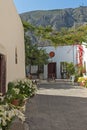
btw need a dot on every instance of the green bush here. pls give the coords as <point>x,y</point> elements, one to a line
<point>21,90</point>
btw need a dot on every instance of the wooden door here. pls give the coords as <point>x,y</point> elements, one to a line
<point>52,70</point>
<point>2,74</point>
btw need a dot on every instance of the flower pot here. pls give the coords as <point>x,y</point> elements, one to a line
<point>82,83</point>
<point>15,102</point>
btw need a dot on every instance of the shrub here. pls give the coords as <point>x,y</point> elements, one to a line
<point>83,81</point>
<point>20,90</point>
<point>27,87</point>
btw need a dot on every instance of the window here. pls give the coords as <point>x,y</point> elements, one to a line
<point>16,56</point>
<point>40,68</point>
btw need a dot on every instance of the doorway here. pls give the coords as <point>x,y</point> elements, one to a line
<point>52,70</point>
<point>2,74</point>
<point>63,70</point>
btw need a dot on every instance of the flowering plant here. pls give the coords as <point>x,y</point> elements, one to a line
<point>80,79</point>
<point>20,90</point>
<point>14,94</point>
<point>83,81</point>
<point>26,86</point>
<point>7,114</point>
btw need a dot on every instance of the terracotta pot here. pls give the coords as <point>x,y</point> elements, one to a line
<point>15,102</point>
<point>82,83</point>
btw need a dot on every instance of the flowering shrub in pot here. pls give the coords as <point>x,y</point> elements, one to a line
<point>13,95</point>
<point>82,81</point>
<point>27,87</point>
<point>20,90</point>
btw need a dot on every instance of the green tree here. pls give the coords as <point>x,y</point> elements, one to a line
<point>70,68</point>
<point>33,54</point>
<point>66,36</point>
<point>70,36</point>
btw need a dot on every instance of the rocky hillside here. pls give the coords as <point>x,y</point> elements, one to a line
<point>57,18</point>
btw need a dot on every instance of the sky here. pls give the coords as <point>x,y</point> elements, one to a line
<point>32,5</point>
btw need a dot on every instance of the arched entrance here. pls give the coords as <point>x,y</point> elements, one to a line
<point>2,74</point>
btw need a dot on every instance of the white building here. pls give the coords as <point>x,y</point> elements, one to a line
<point>61,54</point>
<point>73,53</point>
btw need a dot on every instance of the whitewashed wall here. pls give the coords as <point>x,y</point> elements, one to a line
<point>62,53</point>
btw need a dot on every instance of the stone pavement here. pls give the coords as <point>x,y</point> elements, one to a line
<point>18,125</point>
<point>58,106</point>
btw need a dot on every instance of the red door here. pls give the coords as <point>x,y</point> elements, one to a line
<point>52,70</point>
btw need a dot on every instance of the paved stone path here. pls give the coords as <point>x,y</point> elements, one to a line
<point>58,106</point>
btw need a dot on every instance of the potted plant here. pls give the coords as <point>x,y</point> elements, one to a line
<point>17,93</point>
<point>82,81</point>
<point>27,87</point>
<point>14,97</point>
<point>70,69</point>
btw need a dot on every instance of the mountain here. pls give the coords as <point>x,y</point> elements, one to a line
<point>58,18</point>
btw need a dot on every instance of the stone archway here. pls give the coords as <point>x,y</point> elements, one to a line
<point>2,74</point>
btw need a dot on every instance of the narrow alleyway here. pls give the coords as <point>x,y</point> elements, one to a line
<point>58,106</point>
